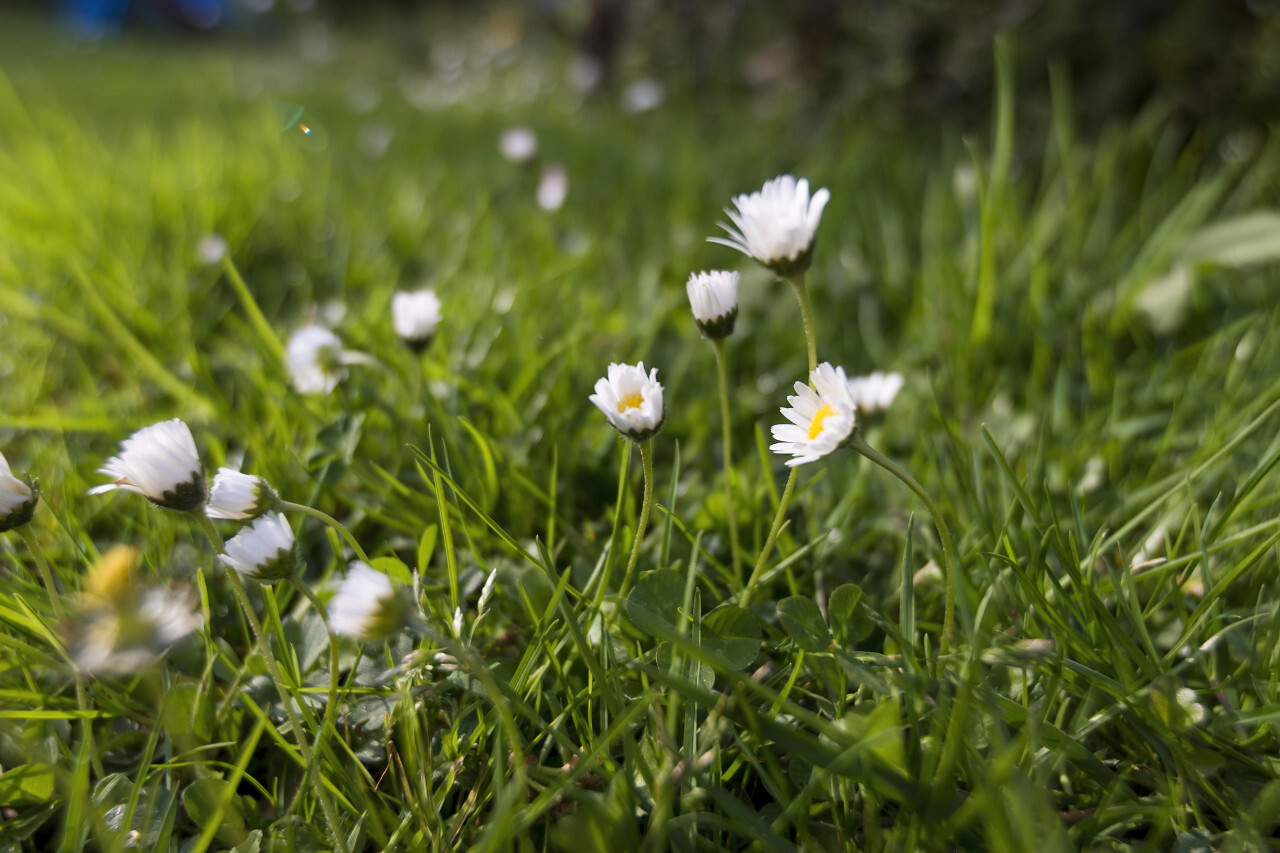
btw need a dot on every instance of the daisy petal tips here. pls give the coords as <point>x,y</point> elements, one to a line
<point>18,498</point>
<point>822,417</point>
<point>875,391</point>
<point>159,462</point>
<point>631,400</point>
<point>777,225</point>
<point>713,296</point>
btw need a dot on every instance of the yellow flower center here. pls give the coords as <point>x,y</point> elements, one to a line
<point>815,425</point>
<point>631,401</point>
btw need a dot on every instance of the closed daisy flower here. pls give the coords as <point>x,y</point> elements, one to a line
<point>18,498</point>
<point>263,550</point>
<point>316,360</point>
<point>160,463</point>
<point>713,296</point>
<point>875,391</point>
<point>822,417</point>
<point>367,606</point>
<point>777,225</point>
<point>631,400</point>
<point>240,496</point>
<point>416,315</point>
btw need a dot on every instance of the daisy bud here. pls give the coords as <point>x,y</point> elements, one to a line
<point>416,316</point>
<point>18,498</point>
<point>631,400</point>
<point>822,417</point>
<point>367,606</point>
<point>160,463</point>
<point>240,496</point>
<point>875,391</point>
<point>263,551</point>
<point>713,296</point>
<point>777,225</point>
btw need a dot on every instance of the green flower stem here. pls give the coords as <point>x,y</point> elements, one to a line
<point>727,437</point>
<point>51,585</point>
<point>329,709</point>
<point>646,458</point>
<point>806,313</point>
<point>329,520</point>
<point>774,530</point>
<point>286,699</point>
<point>949,562</point>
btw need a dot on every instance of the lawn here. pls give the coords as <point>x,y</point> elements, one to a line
<point>1085,322</point>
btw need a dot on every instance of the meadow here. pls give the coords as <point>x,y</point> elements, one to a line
<point>1085,323</point>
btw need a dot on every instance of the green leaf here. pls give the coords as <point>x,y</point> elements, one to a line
<point>393,568</point>
<point>26,785</point>
<point>802,620</point>
<point>200,799</point>
<point>654,604</point>
<point>732,634</point>
<point>850,620</point>
<point>427,547</point>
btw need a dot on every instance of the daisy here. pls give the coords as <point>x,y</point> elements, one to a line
<point>713,296</point>
<point>367,606</point>
<point>240,496</point>
<point>263,550</point>
<point>18,498</point>
<point>875,391</point>
<point>822,417</point>
<point>518,144</point>
<point>776,226</point>
<point>416,316</point>
<point>316,360</point>
<point>631,400</point>
<point>160,463</point>
<point>128,637</point>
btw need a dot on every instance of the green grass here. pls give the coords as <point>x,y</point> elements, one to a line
<point>1063,413</point>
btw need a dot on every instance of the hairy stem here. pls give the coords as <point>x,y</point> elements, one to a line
<point>806,313</point>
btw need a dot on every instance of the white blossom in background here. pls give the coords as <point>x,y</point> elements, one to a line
<point>631,400</point>
<point>875,391</point>
<point>822,417</point>
<point>159,462</point>
<point>777,225</point>
<point>240,496</point>
<point>211,249</point>
<point>518,144</point>
<point>713,296</point>
<point>18,498</point>
<point>553,188</point>
<point>643,95</point>
<point>367,605</point>
<point>316,360</point>
<point>416,314</point>
<point>263,550</point>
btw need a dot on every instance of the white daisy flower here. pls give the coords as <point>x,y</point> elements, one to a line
<point>240,496</point>
<point>631,400</point>
<point>518,144</point>
<point>18,498</point>
<point>875,391</point>
<point>128,636</point>
<point>263,550</point>
<point>776,226</point>
<point>159,462</point>
<point>822,417</point>
<point>553,187</point>
<point>713,296</point>
<point>416,315</point>
<point>367,605</point>
<point>316,360</point>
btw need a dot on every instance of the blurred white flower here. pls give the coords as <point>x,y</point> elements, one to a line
<point>777,225</point>
<point>553,187</point>
<point>240,496</point>
<point>631,400</point>
<point>875,391</point>
<point>416,315</point>
<point>159,462</point>
<point>367,606</point>
<point>713,296</point>
<point>211,249</point>
<point>518,144</point>
<point>18,498</point>
<point>316,360</point>
<point>263,550</point>
<point>643,95</point>
<point>822,417</point>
